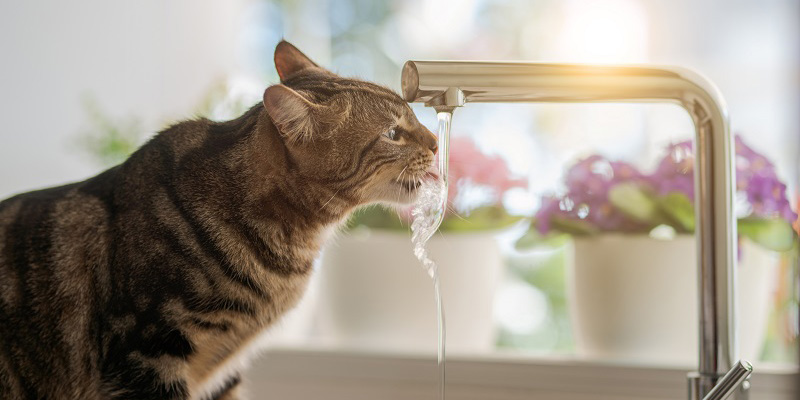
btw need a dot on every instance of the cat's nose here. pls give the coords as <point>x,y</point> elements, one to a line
<point>431,141</point>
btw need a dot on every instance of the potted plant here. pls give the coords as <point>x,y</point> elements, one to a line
<point>373,291</point>
<point>632,280</point>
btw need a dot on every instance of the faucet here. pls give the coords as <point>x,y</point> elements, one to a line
<point>445,85</point>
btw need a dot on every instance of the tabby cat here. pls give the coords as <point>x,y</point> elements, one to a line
<point>153,279</point>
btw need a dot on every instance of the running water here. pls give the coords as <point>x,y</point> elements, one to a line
<point>428,214</point>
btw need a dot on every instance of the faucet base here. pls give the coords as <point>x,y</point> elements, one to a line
<point>700,384</point>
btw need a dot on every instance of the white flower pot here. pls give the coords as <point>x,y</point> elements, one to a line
<point>375,295</point>
<point>634,298</point>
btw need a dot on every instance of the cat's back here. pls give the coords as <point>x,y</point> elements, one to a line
<point>35,218</point>
<point>53,253</point>
<point>58,280</point>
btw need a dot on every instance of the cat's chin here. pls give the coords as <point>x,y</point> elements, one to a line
<point>409,191</point>
<point>401,193</point>
<point>402,201</point>
<point>395,199</point>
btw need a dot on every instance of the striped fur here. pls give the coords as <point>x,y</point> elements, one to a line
<point>153,279</point>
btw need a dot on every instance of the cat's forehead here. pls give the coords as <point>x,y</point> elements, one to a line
<point>361,95</point>
<point>325,85</point>
<point>381,99</point>
<point>406,121</point>
<point>375,93</point>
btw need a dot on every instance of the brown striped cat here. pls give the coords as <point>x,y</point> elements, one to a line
<point>153,279</point>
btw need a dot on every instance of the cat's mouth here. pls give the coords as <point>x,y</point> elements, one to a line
<point>432,174</point>
<point>411,185</point>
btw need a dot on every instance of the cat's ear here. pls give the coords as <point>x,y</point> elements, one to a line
<point>289,60</point>
<point>291,113</point>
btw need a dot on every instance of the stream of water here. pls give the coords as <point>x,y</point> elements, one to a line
<point>428,213</point>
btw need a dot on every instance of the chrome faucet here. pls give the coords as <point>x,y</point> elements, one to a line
<point>445,85</point>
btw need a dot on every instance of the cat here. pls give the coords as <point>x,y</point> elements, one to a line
<point>153,279</point>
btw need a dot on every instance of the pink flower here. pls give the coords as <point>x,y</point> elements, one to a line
<point>467,162</point>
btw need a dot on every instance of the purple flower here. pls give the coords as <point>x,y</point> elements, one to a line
<point>588,183</point>
<point>767,197</point>
<point>755,178</point>
<point>590,180</point>
<point>675,172</point>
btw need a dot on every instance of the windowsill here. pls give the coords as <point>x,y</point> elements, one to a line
<point>337,374</point>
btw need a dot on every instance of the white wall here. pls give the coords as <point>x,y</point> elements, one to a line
<point>148,58</point>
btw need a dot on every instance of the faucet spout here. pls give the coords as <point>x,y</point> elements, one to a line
<point>445,99</point>
<point>448,84</point>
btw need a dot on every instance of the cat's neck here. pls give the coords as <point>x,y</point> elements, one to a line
<point>286,207</point>
<point>237,179</point>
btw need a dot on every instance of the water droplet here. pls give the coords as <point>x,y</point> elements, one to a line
<point>583,211</point>
<point>603,168</point>
<point>680,153</point>
<point>742,162</point>
<point>566,204</point>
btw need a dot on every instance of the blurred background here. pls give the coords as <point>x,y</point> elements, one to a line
<point>85,82</point>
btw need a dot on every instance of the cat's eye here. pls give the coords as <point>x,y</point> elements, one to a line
<point>392,134</point>
<point>395,134</point>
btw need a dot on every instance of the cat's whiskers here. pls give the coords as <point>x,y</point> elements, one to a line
<point>400,217</point>
<point>453,210</point>
<point>329,200</point>
<point>399,177</point>
<point>401,173</point>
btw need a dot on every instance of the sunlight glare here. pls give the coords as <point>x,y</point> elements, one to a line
<point>603,31</point>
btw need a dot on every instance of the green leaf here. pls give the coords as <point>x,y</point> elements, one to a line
<point>377,217</point>
<point>633,200</point>
<point>479,219</point>
<point>679,209</point>
<point>573,226</point>
<point>532,239</point>
<point>109,141</point>
<point>774,234</point>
